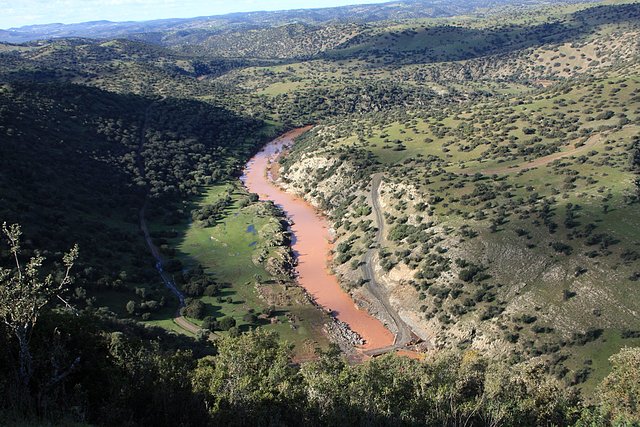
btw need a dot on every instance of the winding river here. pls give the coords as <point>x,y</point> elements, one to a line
<point>311,244</point>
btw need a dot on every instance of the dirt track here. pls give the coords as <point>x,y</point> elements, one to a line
<point>166,278</point>
<point>404,335</point>
<point>543,161</point>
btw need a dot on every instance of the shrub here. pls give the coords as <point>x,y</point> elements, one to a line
<point>226,323</point>
<point>211,290</point>
<point>209,323</point>
<point>560,247</point>
<point>250,318</point>
<point>195,309</point>
<point>619,392</point>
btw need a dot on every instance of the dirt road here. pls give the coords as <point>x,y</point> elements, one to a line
<point>542,161</point>
<point>166,278</point>
<point>404,335</point>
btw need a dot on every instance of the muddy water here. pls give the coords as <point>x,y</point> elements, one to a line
<point>312,246</point>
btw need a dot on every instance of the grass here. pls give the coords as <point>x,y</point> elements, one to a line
<point>164,319</point>
<point>598,353</point>
<point>280,88</point>
<point>226,251</point>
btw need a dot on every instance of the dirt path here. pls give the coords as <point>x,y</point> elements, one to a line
<point>542,161</point>
<point>166,278</point>
<point>404,335</point>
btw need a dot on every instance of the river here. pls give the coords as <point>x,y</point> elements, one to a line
<point>311,244</point>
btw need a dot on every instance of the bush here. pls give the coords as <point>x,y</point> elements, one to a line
<point>226,323</point>
<point>195,309</point>
<point>628,333</point>
<point>402,231</point>
<point>619,392</point>
<point>588,336</point>
<point>211,290</point>
<point>560,247</point>
<point>490,312</point>
<point>472,272</point>
<point>209,323</point>
<point>173,265</point>
<point>250,318</point>
<point>131,307</point>
<point>343,257</point>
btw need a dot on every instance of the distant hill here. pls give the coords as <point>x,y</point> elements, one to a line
<point>409,9</point>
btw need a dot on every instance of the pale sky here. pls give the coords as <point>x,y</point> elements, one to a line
<point>16,13</point>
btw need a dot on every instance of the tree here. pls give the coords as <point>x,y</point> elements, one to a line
<point>202,335</point>
<point>195,309</point>
<point>209,322</point>
<point>24,292</point>
<point>619,392</point>
<point>226,323</point>
<point>131,307</point>
<point>326,381</point>
<point>525,395</point>
<point>212,290</point>
<point>250,379</point>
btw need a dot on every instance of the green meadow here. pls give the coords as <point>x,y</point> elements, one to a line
<point>226,251</point>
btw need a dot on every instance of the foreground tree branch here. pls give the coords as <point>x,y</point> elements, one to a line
<point>24,292</point>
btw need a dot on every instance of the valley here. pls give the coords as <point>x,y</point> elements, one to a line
<point>405,213</point>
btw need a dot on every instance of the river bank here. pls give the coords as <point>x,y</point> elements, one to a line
<point>312,247</point>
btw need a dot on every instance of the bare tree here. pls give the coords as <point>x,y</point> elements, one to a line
<point>24,292</point>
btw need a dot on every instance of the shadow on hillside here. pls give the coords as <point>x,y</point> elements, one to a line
<point>74,170</point>
<point>449,43</point>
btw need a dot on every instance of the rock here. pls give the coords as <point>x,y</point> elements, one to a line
<point>343,333</point>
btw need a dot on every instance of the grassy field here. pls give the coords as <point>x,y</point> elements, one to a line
<point>595,357</point>
<point>226,251</point>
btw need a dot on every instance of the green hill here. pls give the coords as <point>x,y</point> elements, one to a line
<point>78,164</point>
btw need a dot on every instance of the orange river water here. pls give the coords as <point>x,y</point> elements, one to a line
<point>311,244</point>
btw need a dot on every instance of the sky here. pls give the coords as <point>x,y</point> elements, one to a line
<point>17,13</point>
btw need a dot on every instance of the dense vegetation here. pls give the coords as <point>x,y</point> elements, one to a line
<point>78,164</point>
<point>129,376</point>
<point>90,369</point>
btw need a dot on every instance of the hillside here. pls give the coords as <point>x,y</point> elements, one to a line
<point>85,160</point>
<point>516,232</point>
<point>492,246</point>
<point>176,29</point>
<point>459,134</point>
<point>154,136</point>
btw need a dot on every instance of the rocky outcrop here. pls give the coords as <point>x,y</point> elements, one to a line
<point>340,333</point>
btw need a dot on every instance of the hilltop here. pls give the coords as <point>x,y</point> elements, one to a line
<point>179,32</point>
